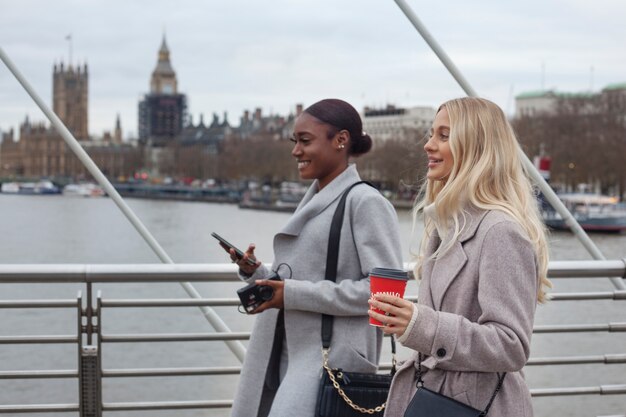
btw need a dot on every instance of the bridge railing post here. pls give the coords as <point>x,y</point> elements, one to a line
<point>89,359</point>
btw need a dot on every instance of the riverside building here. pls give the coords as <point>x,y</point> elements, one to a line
<point>547,102</point>
<point>399,123</point>
<point>42,152</point>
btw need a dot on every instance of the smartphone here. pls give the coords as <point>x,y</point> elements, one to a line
<point>228,246</point>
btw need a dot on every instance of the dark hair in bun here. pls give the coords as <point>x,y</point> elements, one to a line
<point>340,115</point>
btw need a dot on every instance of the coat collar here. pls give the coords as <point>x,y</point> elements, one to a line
<point>314,201</point>
<point>474,216</point>
<point>448,265</point>
<point>471,217</point>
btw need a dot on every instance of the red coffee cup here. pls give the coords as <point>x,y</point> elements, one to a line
<point>386,281</point>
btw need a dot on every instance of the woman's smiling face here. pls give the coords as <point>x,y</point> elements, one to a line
<point>440,160</point>
<point>318,156</point>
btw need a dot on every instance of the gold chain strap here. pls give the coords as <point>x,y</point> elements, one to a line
<point>341,392</point>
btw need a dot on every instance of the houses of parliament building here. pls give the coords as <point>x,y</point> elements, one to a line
<point>42,152</point>
<point>169,142</point>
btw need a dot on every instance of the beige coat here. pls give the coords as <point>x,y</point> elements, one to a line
<point>475,317</point>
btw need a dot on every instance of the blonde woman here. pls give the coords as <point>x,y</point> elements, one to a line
<point>482,268</point>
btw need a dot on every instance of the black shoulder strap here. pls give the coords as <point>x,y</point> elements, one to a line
<point>332,258</point>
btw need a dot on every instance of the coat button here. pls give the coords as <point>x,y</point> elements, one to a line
<point>441,352</point>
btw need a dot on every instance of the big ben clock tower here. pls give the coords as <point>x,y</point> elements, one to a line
<point>163,77</point>
<point>162,111</point>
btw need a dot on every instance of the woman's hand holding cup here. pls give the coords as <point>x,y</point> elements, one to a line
<point>396,313</point>
<point>387,287</point>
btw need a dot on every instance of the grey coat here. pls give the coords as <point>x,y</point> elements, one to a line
<point>476,307</point>
<point>369,238</point>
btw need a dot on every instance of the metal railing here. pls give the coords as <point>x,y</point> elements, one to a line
<point>91,340</point>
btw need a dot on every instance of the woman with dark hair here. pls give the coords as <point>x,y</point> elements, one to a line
<point>282,369</point>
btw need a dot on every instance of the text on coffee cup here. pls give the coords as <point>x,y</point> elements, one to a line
<point>394,294</point>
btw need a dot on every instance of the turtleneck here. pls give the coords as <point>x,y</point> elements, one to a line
<point>430,212</point>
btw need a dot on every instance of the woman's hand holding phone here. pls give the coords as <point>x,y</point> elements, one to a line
<point>248,262</point>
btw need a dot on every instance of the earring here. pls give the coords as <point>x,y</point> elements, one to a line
<point>342,146</point>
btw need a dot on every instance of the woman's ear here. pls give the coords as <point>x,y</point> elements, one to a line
<point>342,139</point>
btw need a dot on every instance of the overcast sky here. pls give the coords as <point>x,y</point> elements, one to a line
<point>234,55</point>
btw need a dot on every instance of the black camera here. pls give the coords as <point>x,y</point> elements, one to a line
<point>253,295</point>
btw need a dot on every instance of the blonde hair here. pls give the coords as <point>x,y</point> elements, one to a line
<point>488,174</point>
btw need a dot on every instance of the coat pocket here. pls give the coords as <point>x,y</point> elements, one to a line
<point>355,344</point>
<point>358,361</point>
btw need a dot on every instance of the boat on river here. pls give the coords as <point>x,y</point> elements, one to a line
<point>285,199</point>
<point>594,212</point>
<point>30,188</point>
<point>86,189</point>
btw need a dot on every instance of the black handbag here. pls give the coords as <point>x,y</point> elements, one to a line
<point>427,403</point>
<point>342,393</point>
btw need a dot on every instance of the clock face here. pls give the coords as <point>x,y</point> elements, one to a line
<point>168,88</point>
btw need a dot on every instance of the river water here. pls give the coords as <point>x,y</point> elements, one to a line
<point>58,229</point>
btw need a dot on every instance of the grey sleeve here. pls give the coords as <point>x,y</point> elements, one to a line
<point>376,237</point>
<point>262,272</point>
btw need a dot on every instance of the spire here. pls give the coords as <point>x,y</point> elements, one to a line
<point>163,65</point>
<point>117,134</point>
<point>163,77</point>
<point>164,52</point>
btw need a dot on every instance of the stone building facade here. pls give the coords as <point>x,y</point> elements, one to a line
<point>399,123</point>
<point>42,152</point>
<point>70,98</point>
